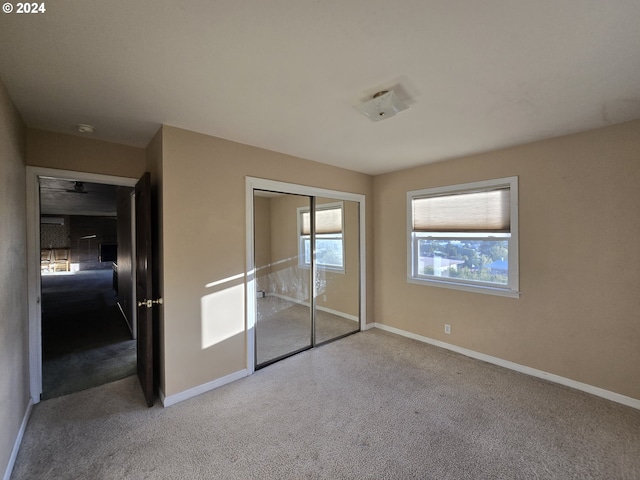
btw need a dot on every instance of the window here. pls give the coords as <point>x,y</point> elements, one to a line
<point>329,241</point>
<point>465,237</point>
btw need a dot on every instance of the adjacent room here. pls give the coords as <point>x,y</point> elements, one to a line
<point>343,239</point>
<point>87,338</point>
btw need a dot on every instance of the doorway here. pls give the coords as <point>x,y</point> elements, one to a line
<point>88,337</point>
<point>307,250</point>
<point>76,277</point>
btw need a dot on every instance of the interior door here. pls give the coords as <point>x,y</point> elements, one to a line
<point>144,287</point>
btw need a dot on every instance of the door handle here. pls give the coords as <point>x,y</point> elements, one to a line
<point>150,303</point>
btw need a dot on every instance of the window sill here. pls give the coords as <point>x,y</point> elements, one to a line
<point>502,292</point>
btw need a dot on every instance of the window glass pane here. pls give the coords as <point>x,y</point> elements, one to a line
<point>482,260</point>
<point>306,245</point>
<point>329,251</point>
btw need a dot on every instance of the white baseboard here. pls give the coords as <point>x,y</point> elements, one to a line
<point>348,316</point>
<point>567,382</point>
<point>16,444</point>
<point>200,389</point>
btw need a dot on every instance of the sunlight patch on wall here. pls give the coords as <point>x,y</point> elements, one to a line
<point>222,315</point>
<point>224,280</point>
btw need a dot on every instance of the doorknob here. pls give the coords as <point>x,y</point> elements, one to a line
<point>150,303</point>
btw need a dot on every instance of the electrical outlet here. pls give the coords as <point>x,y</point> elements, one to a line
<point>447,328</point>
<point>324,298</point>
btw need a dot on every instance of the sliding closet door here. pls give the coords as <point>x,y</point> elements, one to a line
<point>283,277</point>
<point>337,272</point>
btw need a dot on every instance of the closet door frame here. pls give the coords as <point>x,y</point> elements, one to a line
<point>253,183</point>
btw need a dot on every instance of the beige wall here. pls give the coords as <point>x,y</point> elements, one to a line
<point>577,316</point>
<point>579,312</point>
<point>14,355</point>
<point>286,278</point>
<point>262,234</point>
<point>79,154</point>
<point>342,290</point>
<point>204,243</point>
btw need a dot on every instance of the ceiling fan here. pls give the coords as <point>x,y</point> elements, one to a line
<point>78,187</point>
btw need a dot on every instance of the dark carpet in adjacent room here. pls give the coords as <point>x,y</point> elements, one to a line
<point>85,339</point>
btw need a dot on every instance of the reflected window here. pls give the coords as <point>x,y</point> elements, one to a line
<point>329,226</point>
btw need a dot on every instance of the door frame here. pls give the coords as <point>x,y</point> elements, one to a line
<point>34,293</point>
<point>253,183</point>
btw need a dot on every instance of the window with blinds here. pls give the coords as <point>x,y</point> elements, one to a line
<point>329,239</point>
<point>328,220</point>
<point>486,211</point>
<point>465,236</point>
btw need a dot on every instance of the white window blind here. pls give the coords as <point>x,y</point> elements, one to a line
<point>482,211</point>
<point>327,221</point>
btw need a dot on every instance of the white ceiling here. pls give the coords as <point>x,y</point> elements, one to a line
<point>285,74</point>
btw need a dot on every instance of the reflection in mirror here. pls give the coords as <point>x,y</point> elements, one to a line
<point>283,320</point>
<point>337,280</point>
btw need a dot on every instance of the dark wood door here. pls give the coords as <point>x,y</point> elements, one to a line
<point>144,287</point>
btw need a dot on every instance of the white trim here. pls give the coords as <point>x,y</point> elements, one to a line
<point>33,258</point>
<point>252,183</point>
<point>337,313</point>
<point>33,285</point>
<point>200,389</point>
<point>503,292</point>
<point>512,289</point>
<point>16,444</point>
<point>284,187</point>
<point>363,264</point>
<point>250,290</point>
<point>567,382</point>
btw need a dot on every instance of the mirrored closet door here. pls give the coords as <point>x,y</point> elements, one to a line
<point>307,272</point>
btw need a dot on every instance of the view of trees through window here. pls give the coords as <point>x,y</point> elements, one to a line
<point>470,259</point>
<point>328,250</point>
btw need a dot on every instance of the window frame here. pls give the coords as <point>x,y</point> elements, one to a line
<point>511,289</point>
<point>302,237</point>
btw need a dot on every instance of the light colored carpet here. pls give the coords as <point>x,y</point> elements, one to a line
<point>284,327</point>
<point>372,405</point>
